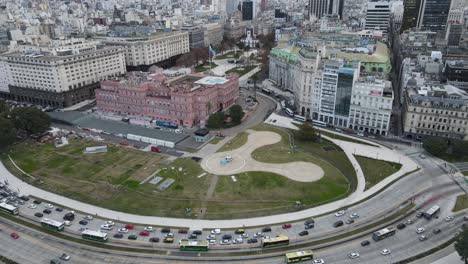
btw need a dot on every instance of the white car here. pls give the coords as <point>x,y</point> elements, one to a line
<point>353,255</point>
<point>353,216</point>
<point>64,257</point>
<point>122,230</point>
<point>49,206</point>
<point>107,227</point>
<point>210,237</point>
<point>385,251</point>
<point>422,238</point>
<point>110,223</point>
<point>448,218</point>
<point>88,217</point>
<point>420,230</point>
<point>212,242</point>
<point>67,223</point>
<point>265,237</point>
<point>225,242</point>
<point>258,234</point>
<point>169,235</point>
<point>340,213</point>
<point>409,222</point>
<point>32,206</point>
<point>149,228</point>
<point>216,231</point>
<point>360,135</point>
<point>319,261</point>
<point>238,241</point>
<point>245,235</point>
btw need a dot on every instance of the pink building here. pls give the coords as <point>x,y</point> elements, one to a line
<point>185,100</point>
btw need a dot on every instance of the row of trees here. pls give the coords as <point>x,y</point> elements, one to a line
<point>446,148</point>
<point>26,120</point>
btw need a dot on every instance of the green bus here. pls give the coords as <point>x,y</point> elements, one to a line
<point>94,235</point>
<point>8,208</point>
<point>194,246</point>
<point>281,240</point>
<point>299,256</point>
<point>52,224</point>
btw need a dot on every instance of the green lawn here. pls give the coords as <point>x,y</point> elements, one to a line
<point>462,203</point>
<point>465,173</point>
<point>376,170</point>
<point>238,141</point>
<point>215,140</point>
<point>229,55</point>
<point>241,70</point>
<point>340,137</point>
<point>205,67</point>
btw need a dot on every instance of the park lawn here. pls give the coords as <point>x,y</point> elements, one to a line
<point>340,137</point>
<point>215,140</point>
<point>465,173</point>
<point>204,67</point>
<point>241,70</point>
<point>229,55</point>
<point>238,141</point>
<point>462,203</point>
<point>376,170</point>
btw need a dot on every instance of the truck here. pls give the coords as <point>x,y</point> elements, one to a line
<point>165,124</point>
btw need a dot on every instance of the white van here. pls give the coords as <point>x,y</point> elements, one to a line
<point>300,118</point>
<point>289,112</point>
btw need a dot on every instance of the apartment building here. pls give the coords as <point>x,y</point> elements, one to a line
<point>378,16</point>
<point>60,76</point>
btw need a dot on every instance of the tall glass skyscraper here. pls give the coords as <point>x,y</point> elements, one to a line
<point>433,15</point>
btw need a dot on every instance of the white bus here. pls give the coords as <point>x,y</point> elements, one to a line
<point>319,123</point>
<point>52,224</point>
<point>94,235</point>
<point>299,118</point>
<point>432,212</point>
<point>299,256</point>
<point>384,233</point>
<point>289,112</point>
<point>8,208</point>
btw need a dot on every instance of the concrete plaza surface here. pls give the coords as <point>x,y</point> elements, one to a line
<point>242,160</point>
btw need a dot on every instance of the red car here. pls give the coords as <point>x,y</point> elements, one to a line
<point>144,233</point>
<point>155,149</point>
<point>14,235</point>
<point>286,226</point>
<point>129,226</point>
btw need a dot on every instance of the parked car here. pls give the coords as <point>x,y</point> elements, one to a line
<point>151,229</point>
<point>304,233</point>
<point>65,257</point>
<point>385,251</point>
<point>239,231</point>
<point>197,232</point>
<point>353,255</point>
<point>182,231</point>
<point>353,216</point>
<point>448,218</point>
<point>37,202</point>
<point>58,209</point>
<point>216,231</point>
<point>286,226</point>
<point>436,231</point>
<point>168,240</point>
<point>227,237</point>
<point>32,206</point>
<point>132,237</point>
<point>420,230</point>
<point>309,226</point>
<point>49,206</point>
<point>422,238</point>
<point>88,217</point>
<point>349,221</point>
<point>122,230</point>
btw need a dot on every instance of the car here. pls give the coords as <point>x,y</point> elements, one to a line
<point>169,235</point>
<point>318,261</point>
<point>266,229</point>
<point>365,243</point>
<point>24,198</point>
<point>225,242</point>
<point>265,237</point>
<point>129,226</point>
<point>338,224</point>
<point>409,222</point>
<point>180,231</point>
<point>238,241</point>
<point>212,242</point>
<point>245,235</point>
<point>436,231</point>
<point>197,232</point>
<point>122,230</point>
<point>385,251</point>
<point>227,236</point>
<point>353,255</point>
<point>309,226</point>
<point>210,236</point>
<point>107,227</point>
<point>401,226</point>
<point>49,206</point>
<point>371,136</point>
<point>340,213</point>
<point>59,209</point>
<point>286,226</point>
<point>67,223</point>
<point>349,221</point>
<point>465,218</point>
<point>132,237</point>
<point>304,233</point>
<point>144,233</point>
<point>422,238</point>
<point>38,215</point>
<point>193,236</point>
<point>83,222</point>
<point>309,221</point>
<point>420,230</point>
<point>70,216</point>
<point>353,216</point>
<point>82,228</point>
<point>360,134</point>
<point>37,202</point>
<point>47,211</point>
<point>448,218</point>
<point>32,206</point>
<point>151,229</point>
<point>88,217</point>
<point>154,239</point>
<point>419,214</point>
<point>65,257</point>
<point>110,223</point>
<point>14,235</point>
<point>258,234</point>
<point>54,261</point>
<point>118,235</point>
<point>239,231</point>
<point>165,230</point>
<point>252,240</point>
<point>216,231</point>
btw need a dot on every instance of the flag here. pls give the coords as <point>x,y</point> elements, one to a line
<point>212,51</point>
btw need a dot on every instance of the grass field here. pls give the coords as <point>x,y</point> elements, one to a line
<point>340,137</point>
<point>205,67</point>
<point>215,140</point>
<point>241,70</point>
<point>229,55</point>
<point>465,173</point>
<point>462,203</point>
<point>376,170</point>
<point>239,140</point>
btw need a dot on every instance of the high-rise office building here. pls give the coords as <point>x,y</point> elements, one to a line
<point>247,10</point>
<point>336,7</point>
<point>231,6</point>
<point>318,8</point>
<point>410,14</point>
<point>378,16</point>
<point>433,15</point>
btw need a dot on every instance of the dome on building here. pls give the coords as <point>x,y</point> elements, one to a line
<point>412,82</point>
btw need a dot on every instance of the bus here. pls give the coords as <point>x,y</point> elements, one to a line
<point>194,246</point>
<point>432,212</point>
<point>8,208</point>
<point>299,118</point>
<point>289,112</point>
<point>266,91</point>
<point>299,256</point>
<point>94,235</point>
<point>52,224</point>
<point>319,123</point>
<point>275,241</point>
<point>384,233</point>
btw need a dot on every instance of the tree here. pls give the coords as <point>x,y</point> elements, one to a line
<point>461,245</point>
<point>216,120</point>
<point>236,113</point>
<point>4,108</point>
<point>459,148</point>
<point>241,45</point>
<point>7,132</point>
<point>435,145</point>
<point>306,132</point>
<point>186,60</point>
<point>254,79</point>
<point>30,119</point>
